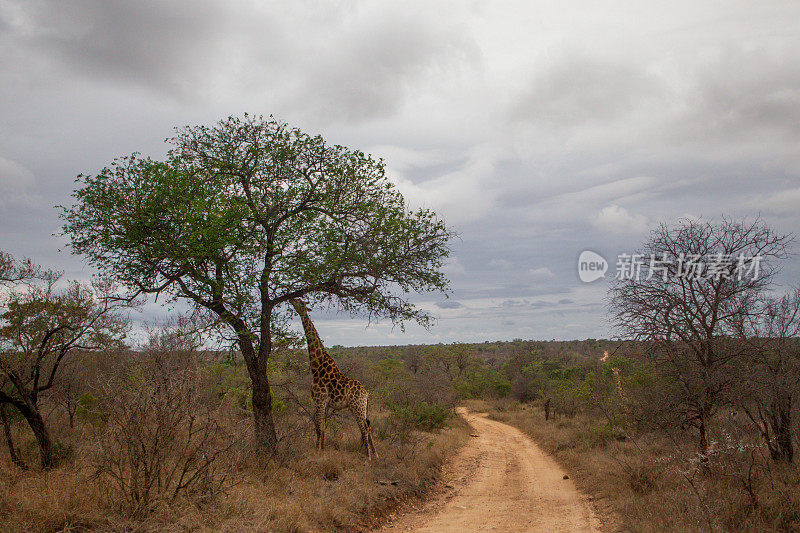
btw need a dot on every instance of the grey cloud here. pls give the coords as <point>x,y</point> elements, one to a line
<point>352,62</point>
<point>14,176</point>
<point>577,88</point>
<point>502,264</point>
<point>613,190</point>
<point>148,43</point>
<point>526,304</point>
<point>743,102</point>
<point>16,184</point>
<point>744,94</point>
<point>448,304</point>
<point>368,71</point>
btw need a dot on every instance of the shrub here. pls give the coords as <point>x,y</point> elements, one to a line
<point>480,382</point>
<point>227,382</point>
<point>158,444</point>
<point>501,387</point>
<point>89,409</point>
<point>641,478</point>
<point>423,415</point>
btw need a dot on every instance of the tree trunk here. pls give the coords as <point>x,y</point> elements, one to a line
<point>37,425</point>
<point>266,440</point>
<point>264,427</point>
<point>701,426</point>
<point>12,451</point>
<point>780,419</point>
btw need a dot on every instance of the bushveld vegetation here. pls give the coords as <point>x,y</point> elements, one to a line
<point>237,220</point>
<point>155,434</point>
<point>159,438</point>
<point>689,423</point>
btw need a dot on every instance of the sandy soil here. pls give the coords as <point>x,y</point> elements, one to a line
<point>501,481</point>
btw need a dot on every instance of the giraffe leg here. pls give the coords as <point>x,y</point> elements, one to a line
<point>370,445</point>
<point>359,410</point>
<point>369,440</point>
<point>364,428</point>
<point>319,424</point>
<point>323,424</point>
<point>358,417</point>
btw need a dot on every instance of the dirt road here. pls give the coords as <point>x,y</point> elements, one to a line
<point>501,481</point>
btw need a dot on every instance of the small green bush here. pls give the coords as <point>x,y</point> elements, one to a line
<point>502,387</point>
<point>480,382</point>
<point>425,416</point>
<point>89,409</point>
<point>278,406</point>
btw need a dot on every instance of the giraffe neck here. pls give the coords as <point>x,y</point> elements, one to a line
<point>316,352</point>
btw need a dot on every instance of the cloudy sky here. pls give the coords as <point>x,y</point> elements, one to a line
<point>536,129</point>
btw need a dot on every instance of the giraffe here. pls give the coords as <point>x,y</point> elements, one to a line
<point>331,388</point>
<point>620,390</point>
<point>617,378</point>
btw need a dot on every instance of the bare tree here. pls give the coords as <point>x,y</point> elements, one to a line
<point>13,271</point>
<point>12,449</point>
<point>773,372</point>
<point>41,325</point>
<point>73,383</point>
<point>693,286</point>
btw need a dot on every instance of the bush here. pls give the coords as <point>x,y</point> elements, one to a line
<point>480,382</point>
<point>89,409</point>
<point>425,416</point>
<point>158,444</point>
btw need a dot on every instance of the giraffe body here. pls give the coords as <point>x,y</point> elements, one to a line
<point>331,389</point>
<point>620,390</point>
<point>617,378</point>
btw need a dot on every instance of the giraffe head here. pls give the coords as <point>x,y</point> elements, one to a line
<point>299,305</point>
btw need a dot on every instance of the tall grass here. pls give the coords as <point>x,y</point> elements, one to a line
<point>299,489</point>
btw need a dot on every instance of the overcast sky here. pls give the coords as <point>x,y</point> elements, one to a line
<point>536,129</point>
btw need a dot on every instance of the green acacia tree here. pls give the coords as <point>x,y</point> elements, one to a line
<point>248,213</point>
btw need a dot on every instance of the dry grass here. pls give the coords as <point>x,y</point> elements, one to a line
<point>650,482</point>
<point>298,490</point>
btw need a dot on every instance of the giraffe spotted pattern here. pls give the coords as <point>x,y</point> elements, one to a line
<point>330,388</point>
